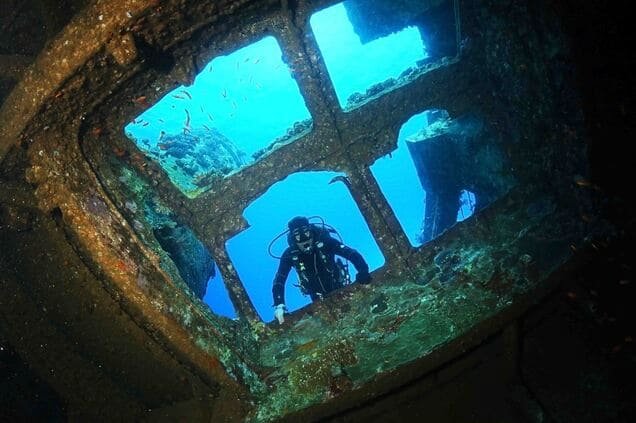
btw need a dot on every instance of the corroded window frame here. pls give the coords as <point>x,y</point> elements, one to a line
<point>341,141</point>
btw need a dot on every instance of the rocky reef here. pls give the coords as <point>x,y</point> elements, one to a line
<point>297,130</point>
<point>196,157</point>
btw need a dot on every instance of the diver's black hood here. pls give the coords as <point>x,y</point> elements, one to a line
<point>297,223</point>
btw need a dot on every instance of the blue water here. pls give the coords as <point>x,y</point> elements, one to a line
<point>466,205</point>
<point>398,181</point>
<point>250,96</point>
<point>353,67</point>
<point>243,95</point>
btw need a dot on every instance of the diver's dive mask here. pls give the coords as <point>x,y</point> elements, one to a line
<point>304,238</point>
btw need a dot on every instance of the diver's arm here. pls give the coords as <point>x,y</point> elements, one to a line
<point>278,286</point>
<point>354,257</point>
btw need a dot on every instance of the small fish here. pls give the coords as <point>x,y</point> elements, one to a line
<point>210,116</point>
<point>224,93</point>
<point>234,106</point>
<point>202,111</point>
<point>187,94</point>
<point>161,135</point>
<point>210,69</point>
<point>258,59</point>
<point>247,59</point>
<point>161,120</point>
<point>186,124</point>
<point>180,97</point>
<point>257,85</point>
<point>145,124</point>
<point>206,127</point>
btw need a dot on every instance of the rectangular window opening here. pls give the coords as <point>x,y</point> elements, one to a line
<point>370,48</point>
<point>229,118</point>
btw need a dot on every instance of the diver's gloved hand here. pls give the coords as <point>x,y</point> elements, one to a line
<point>363,278</point>
<point>279,311</point>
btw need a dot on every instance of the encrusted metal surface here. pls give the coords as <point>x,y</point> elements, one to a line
<point>116,58</point>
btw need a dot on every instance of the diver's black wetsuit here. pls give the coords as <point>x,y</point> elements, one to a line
<point>317,271</point>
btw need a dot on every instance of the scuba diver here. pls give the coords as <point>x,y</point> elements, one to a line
<point>311,253</point>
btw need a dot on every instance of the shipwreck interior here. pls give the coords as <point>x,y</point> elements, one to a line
<point>124,191</point>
